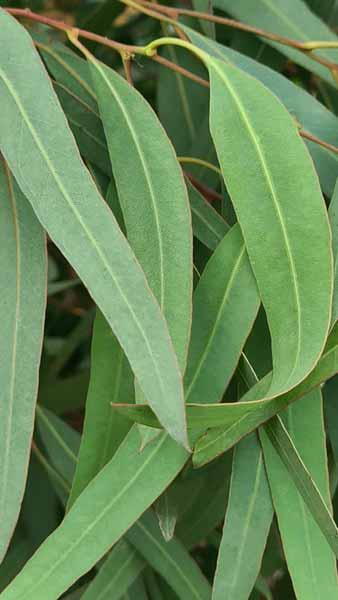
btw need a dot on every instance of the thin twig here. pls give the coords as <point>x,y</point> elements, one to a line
<point>127,52</point>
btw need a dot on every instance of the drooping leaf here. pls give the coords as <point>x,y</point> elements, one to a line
<point>103,259</point>
<point>288,18</point>
<point>161,213</point>
<point>219,302</point>
<point>111,381</point>
<point>333,215</point>
<point>117,574</point>
<point>170,559</point>
<point>23,282</point>
<point>272,234</point>
<point>205,6</point>
<point>302,498</point>
<point>309,113</point>
<point>247,523</point>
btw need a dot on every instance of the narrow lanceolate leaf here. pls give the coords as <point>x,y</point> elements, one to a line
<point>207,27</point>
<point>43,156</point>
<point>311,114</point>
<point>333,215</point>
<point>208,226</point>
<point>226,295</point>
<point>289,18</point>
<point>310,559</point>
<point>158,224</point>
<point>246,526</point>
<point>247,120</point>
<point>23,282</point>
<point>111,381</point>
<point>104,511</point>
<point>119,571</point>
<point>170,559</point>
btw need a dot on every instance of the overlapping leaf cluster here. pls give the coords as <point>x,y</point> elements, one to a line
<point>200,227</point>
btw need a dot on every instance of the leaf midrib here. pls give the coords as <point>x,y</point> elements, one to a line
<point>271,187</point>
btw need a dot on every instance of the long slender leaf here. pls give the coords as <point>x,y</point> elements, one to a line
<point>246,526</point>
<point>333,215</point>
<point>111,381</point>
<point>208,225</point>
<point>310,560</point>
<point>119,571</point>
<point>289,18</point>
<point>311,114</point>
<point>103,259</point>
<point>161,213</point>
<point>301,287</point>
<point>23,282</point>
<point>219,302</point>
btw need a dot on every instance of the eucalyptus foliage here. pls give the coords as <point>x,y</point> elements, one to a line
<point>169,286</point>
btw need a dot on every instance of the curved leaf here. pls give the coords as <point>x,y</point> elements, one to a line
<point>23,282</point>
<point>333,214</point>
<point>247,120</point>
<point>43,156</point>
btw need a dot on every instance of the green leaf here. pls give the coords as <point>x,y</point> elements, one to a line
<point>288,18</point>
<point>83,227</point>
<point>170,559</point>
<point>104,511</point>
<point>111,381</point>
<point>23,282</point>
<point>159,224</point>
<point>208,225</point>
<point>219,303</point>
<point>119,571</point>
<point>247,120</point>
<point>246,526</point>
<point>310,113</point>
<point>333,215</point>
<point>247,415</point>
<point>301,497</point>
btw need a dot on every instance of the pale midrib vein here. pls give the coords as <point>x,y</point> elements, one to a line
<point>75,97</point>
<point>222,433</point>
<point>80,220</point>
<point>147,176</point>
<point>169,559</point>
<point>93,524</point>
<point>228,289</point>
<point>9,420</point>
<point>251,506</point>
<point>271,186</point>
<point>117,574</point>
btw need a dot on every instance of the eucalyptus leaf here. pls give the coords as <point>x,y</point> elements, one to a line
<point>103,259</point>
<point>23,281</point>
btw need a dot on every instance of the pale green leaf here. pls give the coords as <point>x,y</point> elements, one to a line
<point>246,526</point>
<point>49,171</point>
<point>23,282</point>
<point>248,121</point>
<point>208,225</point>
<point>310,560</point>
<point>333,215</point>
<point>111,381</point>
